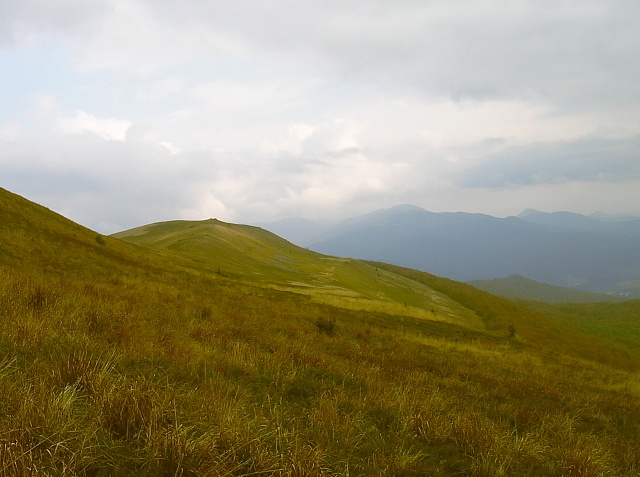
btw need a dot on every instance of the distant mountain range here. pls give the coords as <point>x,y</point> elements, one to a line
<point>597,253</point>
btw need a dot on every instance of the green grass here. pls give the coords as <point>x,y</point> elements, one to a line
<point>257,257</point>
<point>516,287</point>
<point>548,327</point>
<point>121,359</point>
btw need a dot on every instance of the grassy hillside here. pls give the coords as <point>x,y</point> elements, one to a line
<point>517,287</point>
<point>618,324</point>
<point>254,256</point>
<point>122,359</point>
<point>548,328</point>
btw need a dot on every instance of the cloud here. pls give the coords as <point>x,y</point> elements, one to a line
<point>239,97</point>
<point>483,50</point>
<point>589,159</point>
<point>164,88</point>
<point>94,181</point>
<point>170,147</point>
<point>287,141</point>
<point>108,129</point>
<point>142,39</point>
<point>253,110</point>
<point>27,19</point>
<point>9,132</point>
<point>487,49</point>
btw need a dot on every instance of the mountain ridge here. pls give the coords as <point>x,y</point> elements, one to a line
<point>249,253</point>
<point>517,287</point>
<point>563,248</point>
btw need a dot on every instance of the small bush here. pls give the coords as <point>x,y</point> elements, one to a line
<point>205,312</point>
<point>40,298</point>
<point>326,325</point>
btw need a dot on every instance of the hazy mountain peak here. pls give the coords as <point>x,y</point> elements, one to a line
<point>406,208</point>
<point>519,287</point>
<point>527,212</point>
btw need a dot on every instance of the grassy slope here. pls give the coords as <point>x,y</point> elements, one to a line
<point>618,324</point>
<point>34,238</point>
<point>253,255</point>
<point>546,326</point>
<point>117,359</point>
<point>518,287</point>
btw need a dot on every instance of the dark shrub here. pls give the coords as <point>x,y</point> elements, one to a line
<point>326,325</point>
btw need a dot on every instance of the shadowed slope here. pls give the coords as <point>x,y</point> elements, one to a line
<point>517,287</point>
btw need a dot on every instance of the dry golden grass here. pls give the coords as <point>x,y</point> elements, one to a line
<point>132,362</point>
<point>152,380</point>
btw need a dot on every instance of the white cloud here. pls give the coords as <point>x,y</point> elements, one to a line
<point>108,129</point>
<point>256,96</point>
<point>9,132</point>
<point>31,20</point>
<point>45,104</point>
<point>140,40</point>
<point>163,89</point>
<point>170,147</point>
<point>287,141</point>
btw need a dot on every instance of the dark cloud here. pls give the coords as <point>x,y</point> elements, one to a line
<point>584,160</point>
<point>574,52</point>
<point>24,19</point>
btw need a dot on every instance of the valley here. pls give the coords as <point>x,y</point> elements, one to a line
<point>597,254</point>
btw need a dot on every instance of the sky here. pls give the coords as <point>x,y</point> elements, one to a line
<point>119,113</point>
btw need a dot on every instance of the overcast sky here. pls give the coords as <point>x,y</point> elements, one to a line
<point>118,113</point>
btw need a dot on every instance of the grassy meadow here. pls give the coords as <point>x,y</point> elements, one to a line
<point>212,349</point>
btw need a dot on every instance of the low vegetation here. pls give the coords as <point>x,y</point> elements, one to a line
<point>516,287</point>
<point>118,359</point>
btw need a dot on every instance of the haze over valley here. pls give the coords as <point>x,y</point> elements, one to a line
<point>591,253</point>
